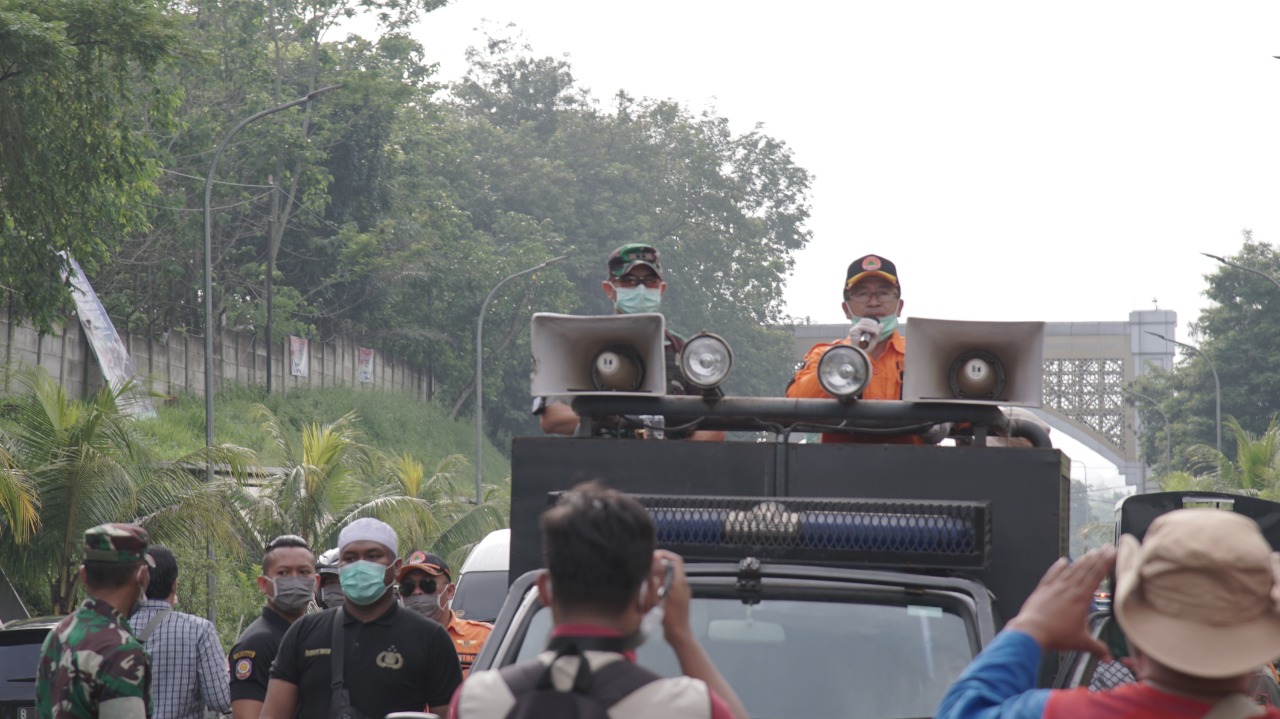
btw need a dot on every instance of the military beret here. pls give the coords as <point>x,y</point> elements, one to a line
<point>116,542</point>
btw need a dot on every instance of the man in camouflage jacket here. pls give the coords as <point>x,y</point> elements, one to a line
<point>91,665</point>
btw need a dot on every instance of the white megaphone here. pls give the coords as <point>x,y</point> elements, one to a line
<point>999,363</point>
<point>611,354</point>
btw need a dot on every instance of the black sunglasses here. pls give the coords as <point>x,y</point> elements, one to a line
<point>428,586</point>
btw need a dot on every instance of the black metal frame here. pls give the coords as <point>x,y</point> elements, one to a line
<point>782,415</point>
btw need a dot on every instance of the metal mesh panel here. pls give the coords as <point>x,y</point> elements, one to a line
<point>1089,391</point>
<point>1109,675</point>
<point>892,532</point>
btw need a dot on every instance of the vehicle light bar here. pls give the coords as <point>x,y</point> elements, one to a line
<point>893,532</point>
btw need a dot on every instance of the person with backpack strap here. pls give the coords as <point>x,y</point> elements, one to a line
<point>603,576</point>
<point>189,670</point>
<point>1198,600</point>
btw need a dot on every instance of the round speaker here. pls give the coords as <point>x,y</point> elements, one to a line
<point>977,374</point>
<point>617,369</point>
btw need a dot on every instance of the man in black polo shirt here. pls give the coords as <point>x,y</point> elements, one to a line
<point>288,581</point>
<point>393,659</point>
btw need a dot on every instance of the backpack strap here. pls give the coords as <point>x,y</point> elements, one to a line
<point>618,681</point>
<point>608,685</point>
<point>151,625</point>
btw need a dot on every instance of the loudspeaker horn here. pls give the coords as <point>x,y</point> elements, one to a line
<point>999,363</point>
<point>617,355</point>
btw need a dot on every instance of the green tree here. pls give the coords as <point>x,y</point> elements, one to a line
<point>77,101</point>
<point>1240,332</point>
<point>541,160</point>
<point>89,465</point>
<point>1255,471</point>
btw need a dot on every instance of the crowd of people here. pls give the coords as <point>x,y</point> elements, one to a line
<point>1198,600</point>
<point>127,653</point>
<point>368,631</point>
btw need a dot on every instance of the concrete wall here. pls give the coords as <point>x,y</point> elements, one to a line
<point>173,364</point>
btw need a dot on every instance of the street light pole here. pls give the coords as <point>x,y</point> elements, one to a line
<point>1217,387</point>
<point>480,371</point>
<point>1229,263</point>
<point>1168,446</point>
<point>208,306</point>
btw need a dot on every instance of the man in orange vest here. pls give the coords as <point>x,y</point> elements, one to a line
<point>427,587</point>
<point>872,302</point>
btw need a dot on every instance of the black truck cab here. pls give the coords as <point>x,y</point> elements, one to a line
<point>829,580</point>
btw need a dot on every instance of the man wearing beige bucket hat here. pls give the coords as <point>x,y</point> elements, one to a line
<point>1198,601</point>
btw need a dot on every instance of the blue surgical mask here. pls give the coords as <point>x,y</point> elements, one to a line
<point>888,324</point>
<point>633,300</point>
<point>364,582</point>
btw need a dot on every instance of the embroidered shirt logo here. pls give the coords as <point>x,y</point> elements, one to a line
<point>390,659</point>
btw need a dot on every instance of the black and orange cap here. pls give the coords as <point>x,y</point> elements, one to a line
<point>871,265</point>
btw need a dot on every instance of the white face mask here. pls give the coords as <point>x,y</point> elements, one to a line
<point>888,324</point>
<point>634,300</point>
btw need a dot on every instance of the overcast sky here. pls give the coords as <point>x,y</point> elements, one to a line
<point>1017,160</point>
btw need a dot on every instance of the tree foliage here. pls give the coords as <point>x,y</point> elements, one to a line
<point>89,465</point>
<point>79,114</point>
<point>1240,333</point>
<point>387,210</point>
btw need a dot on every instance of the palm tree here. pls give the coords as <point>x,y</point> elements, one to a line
<point>331,478</point>
<point>454,523</point>
<point>88,464</point>
<point>322,477</point>
<point>19,504</point>
<point>1255,470</point>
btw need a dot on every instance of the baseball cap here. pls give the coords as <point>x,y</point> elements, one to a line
<point>623,259</point>
<point>869,265</point>
<point>432,564</point>
<point>117,542</point>
<point>1199,594</point>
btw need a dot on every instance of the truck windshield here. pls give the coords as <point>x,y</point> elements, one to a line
<point>822,660</point>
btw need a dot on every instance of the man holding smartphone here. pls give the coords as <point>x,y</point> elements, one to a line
<point>603,576</point>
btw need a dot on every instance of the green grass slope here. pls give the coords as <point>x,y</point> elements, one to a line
<point>393,423</point>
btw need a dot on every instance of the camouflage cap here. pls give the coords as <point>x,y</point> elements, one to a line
<point>116,542</point>
<point>623,259</point>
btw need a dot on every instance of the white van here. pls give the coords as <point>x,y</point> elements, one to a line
<point>482,582</point>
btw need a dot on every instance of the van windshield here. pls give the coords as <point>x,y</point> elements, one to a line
<point>825,660</point>
<point>480,595</point>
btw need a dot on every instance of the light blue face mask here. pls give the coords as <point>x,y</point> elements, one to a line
<point>364,582</point>
<point>888,324</point>
<point>633,300</point>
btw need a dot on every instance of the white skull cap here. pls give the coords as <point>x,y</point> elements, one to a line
<point>370,529</point>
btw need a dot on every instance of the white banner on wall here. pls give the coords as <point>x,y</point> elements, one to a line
<point>365,371</point>
<point>300,358</point>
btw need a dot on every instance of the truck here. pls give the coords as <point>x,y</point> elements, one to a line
<point>849,579</point>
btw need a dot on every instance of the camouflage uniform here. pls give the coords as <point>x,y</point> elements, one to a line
<point>91,665</point>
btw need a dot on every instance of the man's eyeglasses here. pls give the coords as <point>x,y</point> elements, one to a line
<point>884,294</point>
<point>636,280</point>
<point>428,586</point>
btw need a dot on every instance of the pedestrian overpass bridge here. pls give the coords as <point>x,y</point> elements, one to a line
<point>1087,365</point>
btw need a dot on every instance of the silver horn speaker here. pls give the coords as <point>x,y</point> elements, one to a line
<point>979,362</point>
<point>610,354</point>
